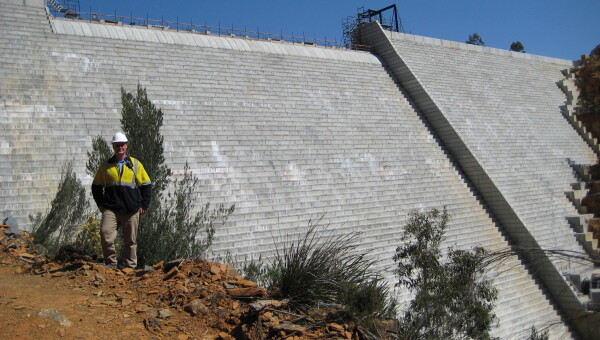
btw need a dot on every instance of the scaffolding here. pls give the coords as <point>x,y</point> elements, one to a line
<point>352,23</point>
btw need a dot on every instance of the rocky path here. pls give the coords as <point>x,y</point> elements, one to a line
<point>33,307</point>
<point>77,298</point>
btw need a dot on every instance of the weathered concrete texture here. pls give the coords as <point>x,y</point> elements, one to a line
<point>499,115</point>
<point>287,133</point>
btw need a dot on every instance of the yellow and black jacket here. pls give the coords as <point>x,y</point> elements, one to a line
<point>122,192</point>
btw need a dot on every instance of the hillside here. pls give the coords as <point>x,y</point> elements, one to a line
<point>77,298</point>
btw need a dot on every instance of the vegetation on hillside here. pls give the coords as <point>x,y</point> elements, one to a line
<point>453,298</point>
<point>588,83</point>
<point>517,46</point>
<point>475,39</point>
<point>320,267</point>
<point>60,225</point>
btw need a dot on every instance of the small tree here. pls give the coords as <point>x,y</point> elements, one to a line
<point>452,299</point>
<point>101,151</point>
<point>60,225</point>
<point>475,39</point>
<point>141,122</point>
<point>517,47</point>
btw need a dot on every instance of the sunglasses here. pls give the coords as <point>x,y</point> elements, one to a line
<point>118,145</point>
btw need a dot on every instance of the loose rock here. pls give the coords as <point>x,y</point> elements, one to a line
<point>53,314</point>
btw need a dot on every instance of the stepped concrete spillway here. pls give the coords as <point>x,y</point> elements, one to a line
<point>498,113</point>
<point>290,133</point>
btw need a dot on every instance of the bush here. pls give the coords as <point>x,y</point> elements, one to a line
<point>368,301</point>
<point>60,225</point>
<point>88,240</point>
<point>173,231</point>
<point>100,153</point>
<point>320,267</point>
<point>141,122</point>
<point>256,271</point>
<point>452,298</point>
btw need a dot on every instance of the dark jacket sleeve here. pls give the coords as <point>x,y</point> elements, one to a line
<point>146,193</point>
<point>98,194</point>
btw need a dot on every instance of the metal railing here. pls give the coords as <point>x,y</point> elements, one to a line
<point>209,30</point>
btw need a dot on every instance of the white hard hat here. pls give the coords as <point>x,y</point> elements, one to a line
<point>119,137</point>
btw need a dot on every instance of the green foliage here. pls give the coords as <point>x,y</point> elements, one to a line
<point>59,226</point>
<point>88,240</point>
<point>319,267</point>
<point>141,122</point>
<point>173,231</point>
<point>311,268</point>
<point>257,271</point>
<point>475,39</point>
<point>538,335</point>
<point>517,47</point>
<point>368,300</point>
<point>452,299</point>
<point>101,151</point>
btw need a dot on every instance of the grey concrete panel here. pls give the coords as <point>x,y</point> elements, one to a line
<point>120,33</point>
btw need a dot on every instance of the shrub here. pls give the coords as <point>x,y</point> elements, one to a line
<point>311,269</point>
<point>101,152</point>
<point>452,298</point>
<point>173,231</point>
<point>319,267</point>
<point>59,226</point>
<point>368,301</point>
<point>88,240</point>
<point>257,271</point>
<point>141,122</point>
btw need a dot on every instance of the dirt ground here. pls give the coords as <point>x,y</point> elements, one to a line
<point>89,313</point>
<point>23,296</point>
<point>75,297</point>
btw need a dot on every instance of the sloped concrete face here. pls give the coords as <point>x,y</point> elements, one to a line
<point>287,133</point>
<point>498,113</point>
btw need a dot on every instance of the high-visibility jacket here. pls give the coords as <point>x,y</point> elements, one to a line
<point>124,191</point>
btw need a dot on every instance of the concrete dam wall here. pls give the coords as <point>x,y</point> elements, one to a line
<point>290,133</point>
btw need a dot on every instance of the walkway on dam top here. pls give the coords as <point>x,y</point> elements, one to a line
<point>177,26</point>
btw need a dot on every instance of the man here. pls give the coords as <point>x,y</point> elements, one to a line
<point>122,191</point>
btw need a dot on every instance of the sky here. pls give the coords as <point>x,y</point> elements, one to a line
<point>563,29</point>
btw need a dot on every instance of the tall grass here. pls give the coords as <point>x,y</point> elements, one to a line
<point>322,267</point>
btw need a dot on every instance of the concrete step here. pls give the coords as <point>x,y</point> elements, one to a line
<point>577,194</point>
<point>579,185</point>
<point>579,222</point>
<point>587,240</point>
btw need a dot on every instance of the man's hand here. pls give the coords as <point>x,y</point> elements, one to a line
<point>142,211</point>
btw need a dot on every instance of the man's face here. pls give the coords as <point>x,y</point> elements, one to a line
<point>120,148</point>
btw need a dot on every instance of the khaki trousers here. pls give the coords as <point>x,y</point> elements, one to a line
<point>108,231</point>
